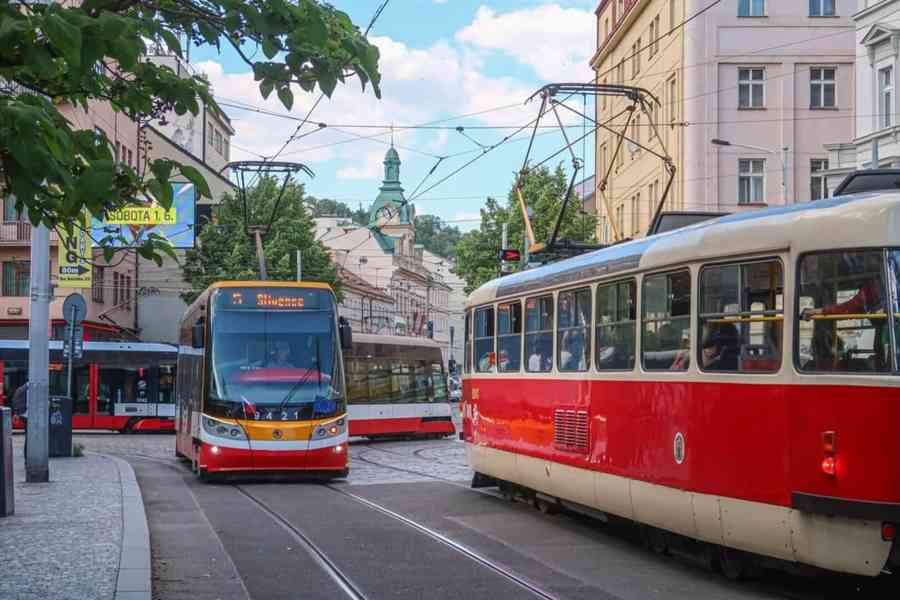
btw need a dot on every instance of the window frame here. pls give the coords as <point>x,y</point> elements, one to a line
<point>521,334</point>
<point>690,316</point>
<point>551,331</point>
<point>701,316</point>
<point>821,9</point>
<point>589,326</point>
<point>885,97</point>
<point>493,337</point>
<point>750,83</point>
<point>822,84</point>
<point>616,283</point>
<point>749,14</point>
<point>816,174</point>
<point>750,174</point>
<point>894,371</point>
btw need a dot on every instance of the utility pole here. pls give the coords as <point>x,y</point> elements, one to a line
<point>299,265</point>
<point>37,462</point>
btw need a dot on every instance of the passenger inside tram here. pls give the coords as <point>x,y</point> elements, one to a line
<point>721,347</point>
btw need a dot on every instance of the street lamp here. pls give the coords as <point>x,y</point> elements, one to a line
<point>784,162</point>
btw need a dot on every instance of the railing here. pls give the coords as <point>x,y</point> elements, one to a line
<point>19,232</point>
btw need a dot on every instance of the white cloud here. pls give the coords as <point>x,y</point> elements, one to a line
<point>556,42</point>
<point>370,168</point>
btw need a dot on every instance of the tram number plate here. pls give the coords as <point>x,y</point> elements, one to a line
<point>263,414</point>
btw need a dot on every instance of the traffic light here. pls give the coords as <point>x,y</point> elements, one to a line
<point>510,255</point>
<point>431,329</point>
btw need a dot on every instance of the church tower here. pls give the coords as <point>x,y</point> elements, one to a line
<point>390,213</point>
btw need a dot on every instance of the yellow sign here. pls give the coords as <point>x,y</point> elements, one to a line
<point>75,255</point>
<point>142,215</point>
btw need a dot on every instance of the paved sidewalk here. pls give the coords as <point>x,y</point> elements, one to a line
<point>82,536</point>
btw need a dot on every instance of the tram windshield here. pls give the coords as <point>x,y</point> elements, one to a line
<point>275,364</point>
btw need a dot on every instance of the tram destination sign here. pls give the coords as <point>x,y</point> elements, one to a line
<point>270,298</point>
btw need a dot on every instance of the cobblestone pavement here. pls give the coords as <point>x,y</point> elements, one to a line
<point>64,540</point>
<point>394,461</point>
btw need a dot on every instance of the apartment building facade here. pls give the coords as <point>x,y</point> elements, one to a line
<point>760,77</point>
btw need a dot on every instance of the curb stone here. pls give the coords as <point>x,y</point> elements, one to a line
<point>133,580</point>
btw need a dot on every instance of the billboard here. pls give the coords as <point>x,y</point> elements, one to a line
<point>136,221</point>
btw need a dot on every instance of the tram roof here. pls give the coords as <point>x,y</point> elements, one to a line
<point>869,219</point>
<point>396,340</point>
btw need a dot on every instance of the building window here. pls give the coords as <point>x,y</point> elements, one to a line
<point>821,88</point>
<point>603,164</point>
<point>97,285</point>
<point>10,214</point>
<point>211,134</point>
<point>655,33</point>
<point>885,96</point>
<point>751,180</point>
<point>118,152</point>
<point>751,88</point>
<point>620,73</point>
<point>751,8</point>
<point>818,183</point>
<point>673,102</point>
<point>636,58</point>
<point>130,158</point>
<point>821,8</point>
<point>672,16</point>
<point>116,278</point>
<point>127,291</point>
<point>606,29</point>
<point>620,219</point>
<point>16,277</point>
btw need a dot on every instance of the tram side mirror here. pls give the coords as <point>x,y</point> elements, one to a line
<point>197,333</point>
<point>346,333</point>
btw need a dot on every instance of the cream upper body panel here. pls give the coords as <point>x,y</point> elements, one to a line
<point>863,220</point>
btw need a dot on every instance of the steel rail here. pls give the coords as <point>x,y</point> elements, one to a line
<point>496,567</point>
<point>343,581</point>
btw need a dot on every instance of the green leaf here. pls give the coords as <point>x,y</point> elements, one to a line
<point>195,177</point>
<point>171,41</point>
<point>266,87</point>
<point>286,96</point>
<point>269,47</point>
<point>66,37</point>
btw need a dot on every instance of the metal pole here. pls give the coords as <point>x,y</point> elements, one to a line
<point>784,173</point>
<point>37,462</point>
<point>504,239</point>
<point>71,337</point>
<point>260,254</point>
<point>299,265</point>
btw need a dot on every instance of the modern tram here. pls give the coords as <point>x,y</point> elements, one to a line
<point>260,380</point>
<point>397,386</point>
<point>735,382</point>
<point>123,386</point>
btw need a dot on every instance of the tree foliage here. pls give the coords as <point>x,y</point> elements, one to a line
<point>543,190</point>
<point>71,55</point>
<point>226,252</point>
<point>437,236</point>
<point>326,207</point>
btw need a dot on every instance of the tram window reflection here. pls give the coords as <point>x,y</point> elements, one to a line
<point>666,321</point>
<point>509,336</point>
<point>539,334</point>
<point>616,326</point>
<point>741,317</point>
<point>484,340</point>
<point>844,324</point>
<point>573,330</point>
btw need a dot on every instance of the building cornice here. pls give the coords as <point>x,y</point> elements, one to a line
<point>619,30</point>
<point>870,9</point>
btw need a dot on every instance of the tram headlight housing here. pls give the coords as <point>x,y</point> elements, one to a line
<point>221,429</point>
<point>330,429</point>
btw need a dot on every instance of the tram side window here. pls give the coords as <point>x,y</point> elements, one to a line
<point>357,379</point>
<point>741,317</point>
<point>616,325</point>
<point>484,340</point>
<point>509,336</point>
<point>666,321</point>
<point>539,334</point>
<point>467,343</point>
<point>843,325</point>
<point>573,314</point>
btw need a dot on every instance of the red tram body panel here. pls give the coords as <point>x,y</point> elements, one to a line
<point>788,449</point>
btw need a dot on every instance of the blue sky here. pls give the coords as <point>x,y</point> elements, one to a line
<point>440,59</point>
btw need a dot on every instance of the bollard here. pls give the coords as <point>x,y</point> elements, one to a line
<point>7,499</point>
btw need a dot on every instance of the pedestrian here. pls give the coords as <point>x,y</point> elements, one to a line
<point>20,408</point>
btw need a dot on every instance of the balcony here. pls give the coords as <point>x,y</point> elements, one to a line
<point>18,233</point>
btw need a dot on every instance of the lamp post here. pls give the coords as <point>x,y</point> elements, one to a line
<point>784,161</point>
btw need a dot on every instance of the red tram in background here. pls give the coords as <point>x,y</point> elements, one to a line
<point>397,386</point>
<point>124,386</point>
<point>735,382</point>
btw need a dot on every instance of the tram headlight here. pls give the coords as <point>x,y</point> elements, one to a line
<point>332,429</point>
<point>217,428</point>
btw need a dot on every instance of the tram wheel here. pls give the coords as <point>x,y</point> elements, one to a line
<point>736,565</point>
<point>507,492</point>
<point>547,508</point>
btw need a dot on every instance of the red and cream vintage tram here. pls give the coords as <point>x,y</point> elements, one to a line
<point>260,380</point>
<point>735,382</point>
<point>397,386</point>
<point>125,386</point>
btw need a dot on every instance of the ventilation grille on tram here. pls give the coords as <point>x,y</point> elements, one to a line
<point>570,430</point>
